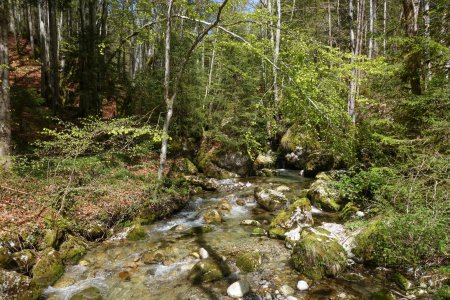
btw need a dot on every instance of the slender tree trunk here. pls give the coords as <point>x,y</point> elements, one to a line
<point>330,34</point>
<point>276,54</point>
<point>167,98</point>
<point>352,92</point>
<point>44,48</point>
<point>371,29</point>
<point>5,114</point>
<point>30,26</point>
<point>426,18</point>
<point>385,7</point>
<point>411,26</point>
<point>54,61</point>
<point>210,74</point>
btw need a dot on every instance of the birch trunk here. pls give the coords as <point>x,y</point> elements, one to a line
<point>276,54</point>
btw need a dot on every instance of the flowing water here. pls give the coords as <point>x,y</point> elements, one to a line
<point>116,269</point>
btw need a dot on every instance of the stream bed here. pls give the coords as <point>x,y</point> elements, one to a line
<point>115,269</point>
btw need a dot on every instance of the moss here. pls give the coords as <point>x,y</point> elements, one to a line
<point>382,295</point>
<point>443,293</point>
<point>25,260</point>
<point>349,209</point>
<point>259,232</point>
<point>277,233</point>
<point>48,268</point>
<point>289,217</point>
<point>72,250</point>
<point>5,257</point>
<point>317,255</point>
<point>365,244</point>
<point>323,196</point>
<point>17,286</point>
<point>249,262</point>
<point>136,233</point>
<point>189,167</point>
<point>208,270</point>
<point>402,282</point>
<point>198,230</point>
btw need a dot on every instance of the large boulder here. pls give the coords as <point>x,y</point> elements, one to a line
<point>365,243</point>
<point>208,270</point>
<point>270,200</point>
<point>318,254</point>
<point>264,161</point>
<point>25,260</point>
<point>17,286</point>
<point>212,216</point>
<point>216,161</point>
<point>48,268</point>
<point>323,195</point>
<point>5,257</point>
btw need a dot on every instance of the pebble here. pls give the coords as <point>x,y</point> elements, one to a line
<point>360,214</point>
<point>238,289</point>
<point>291,298</point>
<point>268,296</point>
<point>203,253</point>
<point>302,285</point>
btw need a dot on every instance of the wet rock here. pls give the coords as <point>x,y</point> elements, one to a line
<point>267,172</point>
<point>283,188</point>
<point>72,250</point>
<point>199,230</point>
<point>203,253</point>
<point>317,162</point>
<point>270,199</point>
<point>249,262</point>
<point>212,217</point>
<point>16,286</point>
<point>25,260</point>
<point>323,196</point>
<point>302,285</point>
<point>238,289</point>
<point>124,275</point>
<point>241,202</point>
<point>136,233</point>
<point>317,254</point>
<point>287,290</point>
<point>153,257</point>
<point>296,215</point>
<point>291,298</point>
<point>259,232</point>
<point>402,282</point>
<point>203,182</point>
<point>250,223</point>
<point>48,268</point>
<point>208,270</point>
<point>84,263</point>
<point>90,293</point>
<point>224,205</point>
<point>277,233</point>
<point>266,160</point>
<point>382,295</point>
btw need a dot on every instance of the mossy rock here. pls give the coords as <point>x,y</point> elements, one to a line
<point>365,243</point>
<point>224,205</point>
<point>402,282</point>
<point>48,268</point>
<point>212,216</point>
<point>270,200</point>
<point>208,270</point>
<point>249,262</point>
<point>95,231</point>
<point>323,196</point>
<point>189,167</point>
<point>136,233</point>
<point>5,257</point>
<point>72,250</point>
<point>348,211</point>
<point>52,238</point>
<point>90,293</point>
<point>259,232</point>
<point>199,230</point>
<point>382,295</point>
<point>317,254</point>
<point>277,233</point>
<point>17,286</point>
<point>297,214</point>
<point>153,257</point>
<point>25,260</point>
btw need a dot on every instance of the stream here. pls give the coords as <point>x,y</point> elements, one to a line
<point>114,269</point>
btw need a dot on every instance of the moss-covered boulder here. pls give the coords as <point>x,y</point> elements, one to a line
<point>402,282</point>
<point>95,231</point>
<point>323,195</point>
<point>208,270</point>
<point>199,230</point>
<point>212,216</point>
<point>318,254</point>
<point>25,260</point>
<point>249,262</point>
<point>318,162</point>
<point>90,293</point>
<point>259,232</point>
<point>136,233</point>
<point>348,211</point>
<point>270,200</point>
<point>365,247</point>
<point>52,238</point>
<point>17,286</point>
<point>277,233</point>
<point>48,268</point>
<point>224,205</point>
<point>297,214</point>
<point>72,250</point>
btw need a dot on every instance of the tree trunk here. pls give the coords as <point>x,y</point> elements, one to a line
<point>352,92</point>
<point>384,25</point>
<point>330,34</point>
<point>30,27</point>
<point>276,54</point>
<point>44,48</point>
<point>54,61</point>
<point>210,73</point>
<point>167,98</point>
<point>5,114</point>
<point>411,27</point>
<point>371,28</point>
<point>426,18</point>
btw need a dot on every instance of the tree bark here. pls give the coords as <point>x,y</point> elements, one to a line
<point>276,55</point>
<point>330,33</point>
<point>411,27</point>
<point>5,114</point>
<point>44,48</point>
<point>385,7</point>
<point>54,60</point>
